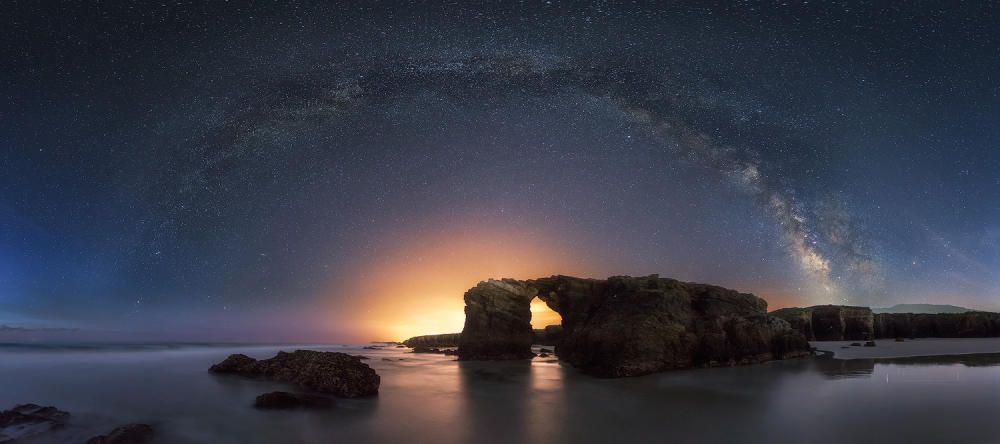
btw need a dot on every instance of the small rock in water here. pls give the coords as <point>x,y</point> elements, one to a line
<point>286,400</point>
<point>335,373</point>
<point>855,344</point>
<point>870,344</point>
<point>28,420</point>
<point>899,339</point>
<point>845,347</point>
<point>129,434</point>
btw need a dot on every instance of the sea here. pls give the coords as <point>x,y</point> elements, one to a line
<point>430,398</point>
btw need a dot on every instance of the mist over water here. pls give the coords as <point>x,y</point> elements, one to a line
<point>434,399</point>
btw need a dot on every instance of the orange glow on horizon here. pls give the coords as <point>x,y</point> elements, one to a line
<point>417,288</point>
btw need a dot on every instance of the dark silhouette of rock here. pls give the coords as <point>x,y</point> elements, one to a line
<point>336,373</point>
<point>442,340</point>
<point>129,434</point>
<point>435,350</point>
<point>899,339</point>
<point>869,343</point>
<point>829,322</point>
<point>287,400</point>
<point>626,326</point>
<point>855,344</point>
<point>550,335</point>
<point>835,323</point>
<point>27,420</point>
<point>975,324</point>
<point>497,321</point>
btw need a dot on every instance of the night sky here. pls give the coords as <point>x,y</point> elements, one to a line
<point>344,171</point>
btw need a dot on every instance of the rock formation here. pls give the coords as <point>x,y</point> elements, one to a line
<point>27,420</point>
<point>336,373</point>
<point>830,322</point>
<point>497,321</point>
<point>443,340</point>
<point>842,323</point>
<point>975,324</point>
<point>129,434</point>
<point>625,326</point>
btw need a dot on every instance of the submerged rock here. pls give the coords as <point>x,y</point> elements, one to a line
<point>27,420</point>
<point>129,434</point>
<point>286,400</point>
<point>336,373</point>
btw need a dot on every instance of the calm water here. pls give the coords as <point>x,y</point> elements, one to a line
<point>434,399</point>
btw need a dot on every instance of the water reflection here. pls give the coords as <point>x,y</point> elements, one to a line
<point>861,368</point>
<point>435,399</point>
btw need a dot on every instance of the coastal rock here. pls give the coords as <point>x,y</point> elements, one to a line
<point>497,321</point>
<point>976,324</point>
<point>287,400</point>
<point>129,434</point>
<point>837,323</point>
<point>336,373</point>
<point>442,340</point>
<point>28,420</point>
<point>830,322</point>
<point>236,363</point>
<point>627,326</point>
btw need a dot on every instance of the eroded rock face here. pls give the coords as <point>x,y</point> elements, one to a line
<point>129,434</point>
<point>442,340</point>
<point>843,323</point>
<point>943,325</point>
<point>27,420</point>
<point>336,373</point>
<point>626,326</point>
<point>497,321</point>
<point>830,322</point>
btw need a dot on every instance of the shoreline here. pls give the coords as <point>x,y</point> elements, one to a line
<point>910,348</point>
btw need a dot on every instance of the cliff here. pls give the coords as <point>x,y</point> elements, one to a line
<point>844,323</point>
<point>626,326</point>
<point>442,340</point>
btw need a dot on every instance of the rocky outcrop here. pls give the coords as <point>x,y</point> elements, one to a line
<point>497,321</point>
<point>550,335</point>
<point>844,323</point>
<point>27,420</point>
<point>974,324</point>
<point>830,322</point>
<point>129,434</point>
<point>626,326</point>
<point>336,373</point>
<point>442,340</point>
<point>287,400</point>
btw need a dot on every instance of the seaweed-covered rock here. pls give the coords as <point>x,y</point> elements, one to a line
<point>336,373</point>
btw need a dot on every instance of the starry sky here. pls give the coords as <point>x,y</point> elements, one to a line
<point>342,171</point>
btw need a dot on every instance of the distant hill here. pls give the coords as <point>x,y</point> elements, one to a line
<point>921,308</point>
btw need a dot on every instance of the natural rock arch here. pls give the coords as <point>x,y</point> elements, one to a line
<point>624,326</point>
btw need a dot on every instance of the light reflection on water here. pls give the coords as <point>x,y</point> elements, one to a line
<point>434,399</point>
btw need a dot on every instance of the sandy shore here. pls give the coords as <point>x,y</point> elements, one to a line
<point>889,348</point>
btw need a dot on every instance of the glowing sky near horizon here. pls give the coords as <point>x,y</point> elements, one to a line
<point>345,171</point>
